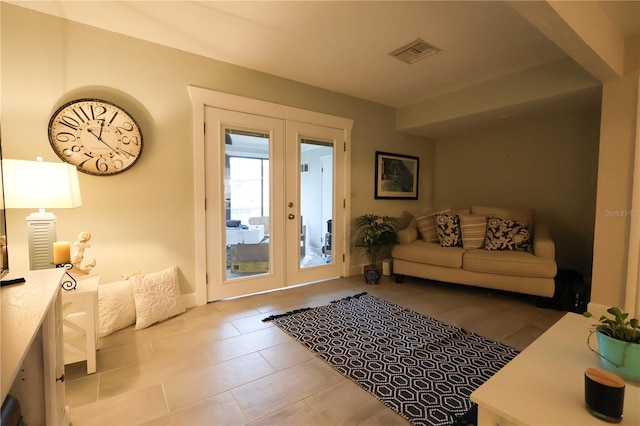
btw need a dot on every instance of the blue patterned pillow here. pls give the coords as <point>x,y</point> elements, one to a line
<point>505,234</point>
<point>448,227</point>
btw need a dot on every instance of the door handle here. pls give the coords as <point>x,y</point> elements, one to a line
<point>291,216</point>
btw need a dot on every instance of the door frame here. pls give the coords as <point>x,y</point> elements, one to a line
<point>201,98</point>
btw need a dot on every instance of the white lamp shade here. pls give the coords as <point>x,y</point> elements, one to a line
<point>41,185</point>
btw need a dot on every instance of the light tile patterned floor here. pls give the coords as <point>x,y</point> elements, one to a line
<point>219,364</point>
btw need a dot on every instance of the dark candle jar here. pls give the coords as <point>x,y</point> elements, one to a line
<point>604,394</point>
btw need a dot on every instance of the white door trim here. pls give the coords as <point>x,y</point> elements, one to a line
<point>200,98</point>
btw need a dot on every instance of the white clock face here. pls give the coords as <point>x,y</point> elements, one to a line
<point>96,136</point>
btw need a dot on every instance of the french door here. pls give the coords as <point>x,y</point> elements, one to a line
<point>311,189</point>
<point>266,191</point>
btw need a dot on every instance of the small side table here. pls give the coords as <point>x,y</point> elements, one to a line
<point>80,321</point>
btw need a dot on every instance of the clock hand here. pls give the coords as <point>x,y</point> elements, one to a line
<point>116,150</point>
<point>100,139</point>
<point>123,152</point>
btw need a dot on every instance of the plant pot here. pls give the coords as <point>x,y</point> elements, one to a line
<point>372,274</point>
<point>619,357</point>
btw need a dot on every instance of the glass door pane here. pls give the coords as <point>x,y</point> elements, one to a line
<point>316,202</point>
<point>246,203</point>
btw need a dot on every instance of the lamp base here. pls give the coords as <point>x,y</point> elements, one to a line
<point>41,227</point>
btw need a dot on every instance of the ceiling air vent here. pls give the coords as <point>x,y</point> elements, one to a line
<point>414,51</point>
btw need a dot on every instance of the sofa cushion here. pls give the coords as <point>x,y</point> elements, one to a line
<point>427,226</point>
<point>421,251</point>
<point>507,262</point>
<point>448,227</point>
<point>504,234</point>
<point>474,229</point>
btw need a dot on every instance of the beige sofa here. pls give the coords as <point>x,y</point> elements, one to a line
<point>529,272</point>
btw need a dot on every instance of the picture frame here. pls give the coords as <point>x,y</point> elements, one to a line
<point>396,176</point>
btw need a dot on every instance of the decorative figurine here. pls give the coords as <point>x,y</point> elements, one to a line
<point>76,261</point>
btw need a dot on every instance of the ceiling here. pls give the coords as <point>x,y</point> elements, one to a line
<point>343,46</point>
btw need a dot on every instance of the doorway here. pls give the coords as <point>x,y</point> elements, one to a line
<point>267,193</point>
<point>202,99</point>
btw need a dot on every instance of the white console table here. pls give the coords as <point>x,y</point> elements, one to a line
<point>80,321</point>
<point>32,360</point>
<point>544,384</point>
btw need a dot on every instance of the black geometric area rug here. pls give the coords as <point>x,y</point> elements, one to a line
<point>420,367</point>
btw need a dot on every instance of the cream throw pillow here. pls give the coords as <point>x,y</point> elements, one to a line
<point>157,297</point>
<point>116,307</point>
<point>427,226</point>
<point>474,230</point>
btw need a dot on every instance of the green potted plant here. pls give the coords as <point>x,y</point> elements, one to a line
<point>618,343</point>
<point>373,232</point>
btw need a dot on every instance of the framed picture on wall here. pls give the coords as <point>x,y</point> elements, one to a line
<point>396,176</point>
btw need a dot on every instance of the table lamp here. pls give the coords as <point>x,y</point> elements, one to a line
<point>41,185</point>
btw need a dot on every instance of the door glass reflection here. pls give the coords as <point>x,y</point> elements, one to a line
<point>246,204</point>
<point>316,202</point>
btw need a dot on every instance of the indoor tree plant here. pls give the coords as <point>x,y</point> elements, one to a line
<point>618,343</point>
<point>373,232</point>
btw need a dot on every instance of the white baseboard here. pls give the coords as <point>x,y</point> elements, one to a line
<point>189,300</point>
<point>355,270</point>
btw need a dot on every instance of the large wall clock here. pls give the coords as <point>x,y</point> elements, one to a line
<point>98,137</point>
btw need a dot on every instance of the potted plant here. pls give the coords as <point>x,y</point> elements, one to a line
<point>373,233</point>
<point>618,343</point>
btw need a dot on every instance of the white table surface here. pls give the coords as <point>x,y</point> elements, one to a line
<point>23,309</point>
<point>544,384</point>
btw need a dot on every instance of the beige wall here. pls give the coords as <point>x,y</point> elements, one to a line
<point>143,219</point>
<point>546,161</point>
<point>620,117</point>
<point>585,32</point>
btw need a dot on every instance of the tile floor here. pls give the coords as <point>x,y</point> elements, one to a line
<point>219,364</point>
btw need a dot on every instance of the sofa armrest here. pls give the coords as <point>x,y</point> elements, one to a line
<point>408,234</point>
<point>543,245</point>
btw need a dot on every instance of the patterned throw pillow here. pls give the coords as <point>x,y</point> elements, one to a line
<point>505,234</point>
<point>474,230</point>
<point>427,226</point>
<point>448,226</point>
<point>157,297</point>
<point>116,306</point>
